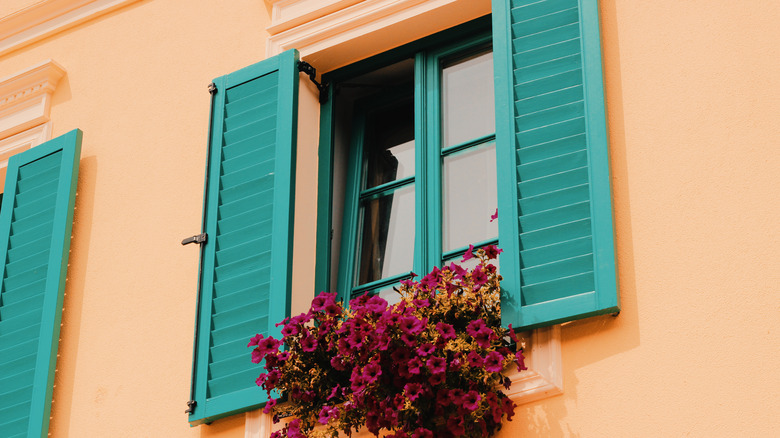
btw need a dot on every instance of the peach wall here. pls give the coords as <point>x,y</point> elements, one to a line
<point>136,85</point>
<point>692,99</point>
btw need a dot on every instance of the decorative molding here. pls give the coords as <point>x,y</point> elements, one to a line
<point>45,18</point>
<point>25,97</point>
<point>286,14</point>
<point>544,376</point>
<point>20,143</point>
<point>337,24</point>
<point>258,424</point>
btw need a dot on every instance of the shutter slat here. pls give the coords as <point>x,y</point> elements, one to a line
<point>554,182</point>
<point>261,143</point>
<point>556,251</point>
<point>19,363</point>
<point>237,299</point>
<point>558,262</point>
<point>554,216</point>
<point>245,280</point>
<point>555,234</point>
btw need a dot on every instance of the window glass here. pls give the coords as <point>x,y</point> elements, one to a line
<point>387,237</point>
<point>467,99</point>
<point>469,197</point>
<point>389,144</point>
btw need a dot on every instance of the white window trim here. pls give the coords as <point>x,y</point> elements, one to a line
<point>45,18</point>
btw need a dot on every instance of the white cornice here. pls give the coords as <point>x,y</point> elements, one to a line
<point>25,97</point>
<point>320,29</point>
<point>47,17</point>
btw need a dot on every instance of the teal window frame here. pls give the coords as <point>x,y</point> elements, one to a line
<point>428,54</point>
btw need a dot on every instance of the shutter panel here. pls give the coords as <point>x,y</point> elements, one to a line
<point>35,224</point>
<point>559,261</point>
<point>248,216</point>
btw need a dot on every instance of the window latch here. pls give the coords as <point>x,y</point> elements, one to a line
<point>191,407</point>
<point>307,69</point>
<point>199,238</point>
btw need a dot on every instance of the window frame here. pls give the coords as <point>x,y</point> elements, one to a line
<point>427,53</point>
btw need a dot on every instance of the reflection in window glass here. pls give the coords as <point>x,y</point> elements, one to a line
<point>469,197</point>
<point>467,99</point>
<point>387,237</point>
<point>389,145</point>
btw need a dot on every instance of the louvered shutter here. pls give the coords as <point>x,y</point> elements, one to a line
<point>35,224</point>
<point>248,217</point>
<point>554,202</point>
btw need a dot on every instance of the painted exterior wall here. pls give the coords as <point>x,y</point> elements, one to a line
<point>692,100</point>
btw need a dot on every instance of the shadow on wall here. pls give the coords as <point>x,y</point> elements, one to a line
<point>70,332</point>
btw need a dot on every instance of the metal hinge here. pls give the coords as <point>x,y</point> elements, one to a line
<point>199,238</point>
<point>308,69</point>
<point>212,88</point>
<point>191,407</point>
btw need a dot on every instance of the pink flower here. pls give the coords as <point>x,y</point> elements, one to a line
<point>269,406</point>
<point>426,349</point>
<point>471,400</point>
<point>494,216</point>
<point>494,361</point>
<point>475,360</point>
<point>437,365</point>
<point>308,343</point>
<point>446,331</point>
<point>492,251</point>
<point>255,340</point>
<point>328,413</point>
<point>469,254</point>
<point>413,391</point>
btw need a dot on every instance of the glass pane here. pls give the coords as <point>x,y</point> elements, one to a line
<point>467,99</point>
<point>389,144</point>
<point>469,197</point>
<point>387,239</point>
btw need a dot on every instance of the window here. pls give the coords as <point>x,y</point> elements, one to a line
<point>548,143</point>
<point>418,142</point>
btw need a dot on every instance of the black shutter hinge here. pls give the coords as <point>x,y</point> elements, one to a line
<point>212,88</point>
<point>191,407</point>
<point>199,238</point>
<point>306,68</point>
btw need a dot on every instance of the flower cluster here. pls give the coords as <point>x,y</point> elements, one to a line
<point>430,365</point>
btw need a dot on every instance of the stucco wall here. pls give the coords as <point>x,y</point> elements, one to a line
<point>692,96</point>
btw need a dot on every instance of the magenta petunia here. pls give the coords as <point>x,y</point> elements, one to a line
<point>483,337</point>
<point>492,251</point>
<point>475,326</point>
<point>437,365</point>
<point>413,391</point>
<point>411,325</point>
<point>290,330</point>
<point>269,406</point>
<point>371,372</point>
<point>471,400</point>
<point>414,365</point>
<point>479,277</point>
<point>469,254</point>
<point>328,413</point>
<point>255,340</point>
<point>446,331</point>
<point>474,359</point>
<point>308,344</point>
<point>422,433</point>
<point>494,216</point>
<point>494,362</point>
<point>426,349</point>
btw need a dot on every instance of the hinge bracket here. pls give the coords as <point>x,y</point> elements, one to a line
<point>198,238</point>
<point>306,68</point>
<point>191,407</point>
<point>212,88</point>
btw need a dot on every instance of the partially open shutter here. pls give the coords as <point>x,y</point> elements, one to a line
<point>35,225</point>
<point>248,218</point>
<point>559,261</point>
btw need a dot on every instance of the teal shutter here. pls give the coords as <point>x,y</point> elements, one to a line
<point>35,224</point>
<point>248,217</point>
<point>559,260</point>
